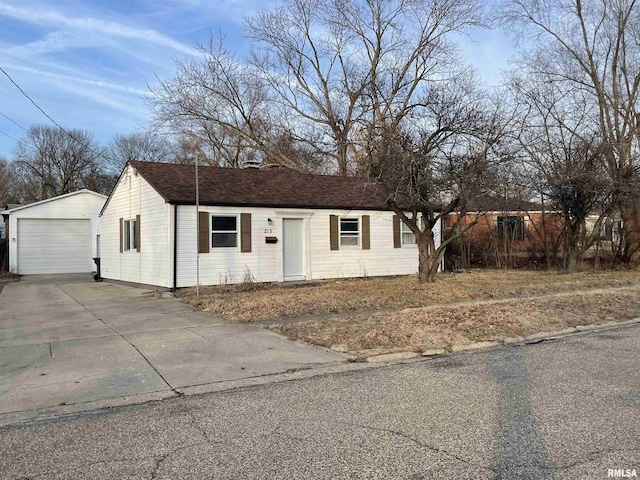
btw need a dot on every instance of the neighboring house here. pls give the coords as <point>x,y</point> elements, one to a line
<point>263,225</point>
<point>505,229</point>
<point>57,235</point>
<point>512,220</point>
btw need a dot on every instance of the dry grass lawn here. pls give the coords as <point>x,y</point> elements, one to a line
<point>442,327</point>
<point>256,302</point>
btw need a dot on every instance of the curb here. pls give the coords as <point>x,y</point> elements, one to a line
<point>509,341</point>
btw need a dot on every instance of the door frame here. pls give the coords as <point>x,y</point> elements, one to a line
<point>306,242</point>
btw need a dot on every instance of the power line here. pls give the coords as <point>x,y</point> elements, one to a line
<point>7,135</point>
<point>28,147</point>
<point>34,103</point>
<point>50,118</point>
<point>14,122</point>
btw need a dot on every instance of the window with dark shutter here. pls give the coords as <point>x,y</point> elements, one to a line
<point>203,232</point>
<point>245,232</point>
<point>397,243</point>
<point>333,232</point>
<point>366,232</point>
<point>137,233</point>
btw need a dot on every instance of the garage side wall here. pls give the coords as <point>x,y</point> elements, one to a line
<point>134,196</point>
<point>80,206</point>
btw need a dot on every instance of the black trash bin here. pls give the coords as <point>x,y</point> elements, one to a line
<point>97,276</point>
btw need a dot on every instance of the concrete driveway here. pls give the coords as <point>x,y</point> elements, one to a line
<point>68,344</point>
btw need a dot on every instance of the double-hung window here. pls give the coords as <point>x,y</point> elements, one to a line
<point>349,231</point>
<point>129,232</point>
<point>224,231</point>
<point>408,237</point>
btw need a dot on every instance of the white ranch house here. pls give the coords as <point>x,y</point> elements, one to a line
<point>272,225</point>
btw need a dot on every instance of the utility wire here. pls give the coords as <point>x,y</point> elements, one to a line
<point>34,103</point>
<point>14,122</point>
<point>28,147</point>
<point>7,135</point>
<point>49,117</point>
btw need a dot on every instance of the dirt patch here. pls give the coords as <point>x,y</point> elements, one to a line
<point>258,302</point>
<point>443,327</point>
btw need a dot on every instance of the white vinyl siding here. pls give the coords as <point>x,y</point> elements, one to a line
<point>152,265</point>
<point>83,205</point>
<point>265,263</point>
<point>228,265</point>
<point>381,259</point>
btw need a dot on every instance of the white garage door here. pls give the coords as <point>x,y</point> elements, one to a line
<point>53,246</point>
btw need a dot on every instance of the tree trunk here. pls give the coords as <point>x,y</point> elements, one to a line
<point>572,261</point>
<point>428,258</point>
<point>631,222</point>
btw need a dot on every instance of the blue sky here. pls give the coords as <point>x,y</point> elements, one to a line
<point>89,63</point>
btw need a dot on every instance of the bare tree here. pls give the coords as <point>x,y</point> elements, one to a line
<point>589,49</point>
<point>51,162</point>
<point>218,102</point>
<point>315,73</point>
<point>8,184</point>
<point>142,146</point>
<point>358,84</point>
<point>563,147</point>
<point>429,177</point>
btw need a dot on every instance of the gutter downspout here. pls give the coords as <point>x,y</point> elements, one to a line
<point>175,247</point>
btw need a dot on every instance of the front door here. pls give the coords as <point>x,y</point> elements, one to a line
<point>293,249</point>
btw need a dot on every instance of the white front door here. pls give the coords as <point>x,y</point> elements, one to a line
<point>293,248</point>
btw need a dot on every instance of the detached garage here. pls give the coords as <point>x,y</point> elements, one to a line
<point>57,235</point>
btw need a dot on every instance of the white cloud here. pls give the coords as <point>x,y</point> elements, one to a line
<point>47,17</point>
<point>74,79</point>
<point>58,41</point>
<point>134,109</point>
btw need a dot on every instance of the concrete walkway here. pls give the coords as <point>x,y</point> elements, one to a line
<point>69,344</point>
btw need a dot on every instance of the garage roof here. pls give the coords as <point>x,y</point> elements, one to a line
<point>29,205</point>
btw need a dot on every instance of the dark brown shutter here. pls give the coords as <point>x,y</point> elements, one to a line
<point>333,231</point>
<point>245,232</point>
<point>203,232</point>
<point>138,233</point>
<point>396,232</point>
<point>366,233</point>
<point>121,235</point>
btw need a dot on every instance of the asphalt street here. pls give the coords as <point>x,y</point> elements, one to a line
<point>565,409</point>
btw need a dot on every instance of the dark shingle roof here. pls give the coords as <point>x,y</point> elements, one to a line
<point>488,203</point>
<point>281,188</point>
